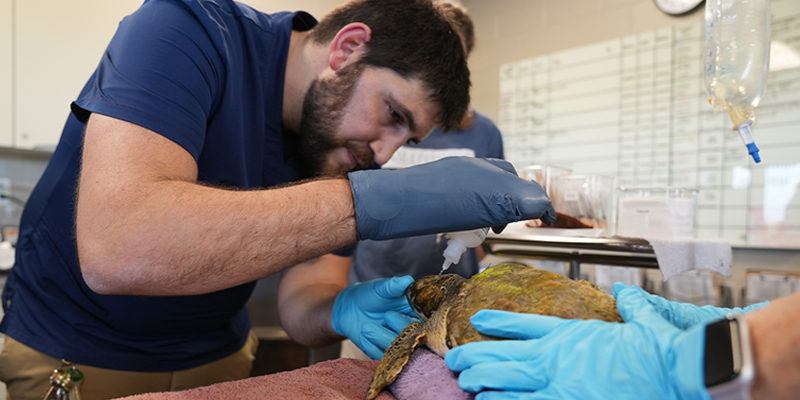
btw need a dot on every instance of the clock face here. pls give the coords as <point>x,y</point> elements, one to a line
<point>677,7</point>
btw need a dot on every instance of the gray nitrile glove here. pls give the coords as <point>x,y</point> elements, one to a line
<point>448,195</point>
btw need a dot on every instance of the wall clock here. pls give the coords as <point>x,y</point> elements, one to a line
<point>677,7</point>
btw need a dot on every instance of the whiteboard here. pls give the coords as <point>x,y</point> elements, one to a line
<point>635,108</point>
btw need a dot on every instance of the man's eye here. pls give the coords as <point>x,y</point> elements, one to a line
<point>396,117</point>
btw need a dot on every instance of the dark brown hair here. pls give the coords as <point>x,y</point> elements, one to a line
<point>415,39</point>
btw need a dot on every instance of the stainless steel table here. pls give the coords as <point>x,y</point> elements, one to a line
<point>576,250</point>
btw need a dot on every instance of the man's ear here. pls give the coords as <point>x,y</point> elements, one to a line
<point>348,45</point>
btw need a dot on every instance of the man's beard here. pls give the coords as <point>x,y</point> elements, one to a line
<point>323,110</point>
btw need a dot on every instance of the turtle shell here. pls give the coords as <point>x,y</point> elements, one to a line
<point>519,288</point>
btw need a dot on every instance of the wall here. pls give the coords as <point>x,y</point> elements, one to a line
<point>317,8</point>
<point>510,30</point>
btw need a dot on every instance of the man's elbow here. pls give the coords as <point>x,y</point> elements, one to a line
<point>100,284</point>
<point>100,281</point>
<point>104,274</point>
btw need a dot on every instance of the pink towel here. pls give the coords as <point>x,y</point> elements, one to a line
<point>427,377</point>
<point>345,378</point>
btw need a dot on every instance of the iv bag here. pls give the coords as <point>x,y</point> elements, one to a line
<point>736,45</point>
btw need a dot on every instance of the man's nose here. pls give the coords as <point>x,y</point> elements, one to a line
<point>385,146</point>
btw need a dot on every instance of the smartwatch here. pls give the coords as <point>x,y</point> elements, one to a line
<point>728,361</point>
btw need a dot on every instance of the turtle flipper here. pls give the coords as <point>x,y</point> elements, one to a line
<point>396,357</point>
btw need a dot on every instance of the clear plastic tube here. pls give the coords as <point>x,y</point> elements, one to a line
<point>736,48</point>
<point>747,139</point>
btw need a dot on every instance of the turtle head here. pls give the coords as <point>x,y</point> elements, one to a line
<point>426,294</point>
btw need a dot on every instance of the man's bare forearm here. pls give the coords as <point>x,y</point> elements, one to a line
<point>775,336</point>
<point>229,238</point>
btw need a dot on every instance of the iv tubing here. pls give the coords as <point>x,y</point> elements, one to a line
<point>747,137</point>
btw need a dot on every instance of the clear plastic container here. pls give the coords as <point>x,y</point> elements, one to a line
<point>588,198</point>
<point>657,213</point>
<point>736,47</point>
<point>544,175</point>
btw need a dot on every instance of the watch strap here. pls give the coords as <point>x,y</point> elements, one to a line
<point>736,386</point>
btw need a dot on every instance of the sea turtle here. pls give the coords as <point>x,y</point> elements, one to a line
<point>446,302</point>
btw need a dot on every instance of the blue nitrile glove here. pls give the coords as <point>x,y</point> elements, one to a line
<point>554,358</point>
<point>448,195</point>
<point>359,313</point>
<point>686,315</point>
<point>382,336</point>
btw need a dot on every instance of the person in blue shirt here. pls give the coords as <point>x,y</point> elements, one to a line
<point>215,145</point>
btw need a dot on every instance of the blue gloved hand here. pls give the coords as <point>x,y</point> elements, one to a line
<point>448,195</point>
<point>379,337</point>
<point>554,358</point>
<point>686,315</point>
<point>360,313</point>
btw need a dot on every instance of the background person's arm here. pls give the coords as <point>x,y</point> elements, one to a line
<point>305,299</point>
<point>317,307</point>
<point>775,338</point>
<point>145,227</point>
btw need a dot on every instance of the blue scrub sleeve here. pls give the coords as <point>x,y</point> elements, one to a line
<point>160,71</point>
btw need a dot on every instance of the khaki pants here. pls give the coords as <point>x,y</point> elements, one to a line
<point>26,373</point>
